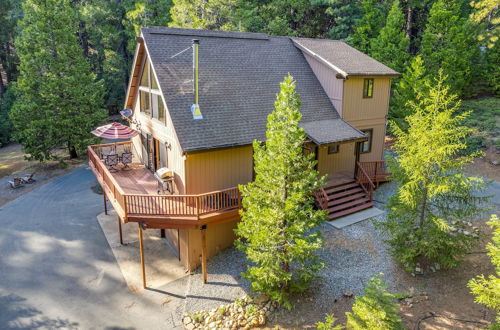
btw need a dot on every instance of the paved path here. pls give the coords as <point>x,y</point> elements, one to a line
<point>57,270</point>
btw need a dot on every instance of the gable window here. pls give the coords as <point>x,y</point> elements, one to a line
<point>368,88</point>
<point>333,149</point>
<point>367,145</point>
<point>150,99</point>
<point>145,102</point>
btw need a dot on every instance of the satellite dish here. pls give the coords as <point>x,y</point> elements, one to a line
<point>126,113</point>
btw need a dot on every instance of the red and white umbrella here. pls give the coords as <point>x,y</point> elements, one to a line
<point>115,131</point>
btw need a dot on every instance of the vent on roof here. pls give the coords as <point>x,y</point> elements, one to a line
<point>195,108</point>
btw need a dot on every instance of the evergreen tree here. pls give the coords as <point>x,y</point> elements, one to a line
<point>487,13</point>
<point>428,213</point>
<point>448,43</point>
<point>391,45</point>
<point>487,290</point>
<point>210,14</point>
<point>9,15</point>
<point>375,309</point>
<point>368,27</point>
<point>343,13</point>
<point>58,100</point>
<point>6,102</point>
<point>278,221</point>
<point>406,92</point>
<point>492,71</point>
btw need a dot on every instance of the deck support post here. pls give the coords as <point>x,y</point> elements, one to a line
<point>204,253</point>
<point>162,233</point>
<point>105,204</point>
<point>120,229</point>
<point>358,152</point>
<point>141,248</point>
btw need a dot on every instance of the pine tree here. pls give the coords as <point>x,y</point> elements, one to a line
<point>487,290</point>
<point>428,213</point>
<point>375,309</point>
<point>448,43</point>
<point>343,13</point>
<point>58,100</point>
<point>210,14</point>
<point>487,13</point>
<point>406,92</point>
<point>391,45</point>
<point>278,221</point>
<point>368,27</point>
<point>6,102</point>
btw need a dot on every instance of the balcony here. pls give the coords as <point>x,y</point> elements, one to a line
<point>133,194</point>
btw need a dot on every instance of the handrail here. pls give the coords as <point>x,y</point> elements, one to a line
<point>163,205</point>
<point>364,180</point>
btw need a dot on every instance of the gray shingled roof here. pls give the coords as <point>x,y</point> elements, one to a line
<point>239,79</point>
<point>331,130</point>
<point>346,58</point>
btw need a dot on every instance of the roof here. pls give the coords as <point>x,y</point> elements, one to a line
<point>330,131</point>
<point>239,77</point>
<point>345,59</point>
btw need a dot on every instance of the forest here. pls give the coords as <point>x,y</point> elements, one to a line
<point>414,37</point>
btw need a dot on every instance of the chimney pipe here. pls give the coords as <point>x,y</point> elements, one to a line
<point>195,108</point>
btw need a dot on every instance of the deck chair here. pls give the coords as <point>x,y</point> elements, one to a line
<point>29,178</point>
<point>16,183</point>
<point>111,161</point>
<point>126,159</point>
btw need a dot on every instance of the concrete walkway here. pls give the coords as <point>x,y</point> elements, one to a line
<point>57,269</point>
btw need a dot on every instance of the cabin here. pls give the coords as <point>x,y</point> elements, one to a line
<point>200,98</point>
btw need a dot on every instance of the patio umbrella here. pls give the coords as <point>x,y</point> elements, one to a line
<point>115,131</point>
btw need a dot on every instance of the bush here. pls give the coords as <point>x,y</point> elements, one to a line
<point>474,143</point>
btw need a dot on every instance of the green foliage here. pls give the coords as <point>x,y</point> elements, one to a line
<point>492,72</point>
<point>278,221</point>
<point>343,13</point>
<point>487,13</point>
<point>409,88</point>
<point>391,45</point>
<point>6,103</point>
<point>58,100</point>
<point>487,289</point>
<point>375,309</point>
<point>448,44</point>
<point>329,324</point>
<point>373,18</point>
<point>433,196</point>
<point>9,14</point>
<point>211,14</point>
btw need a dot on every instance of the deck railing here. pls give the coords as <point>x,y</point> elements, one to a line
<point>364,180</point>
<point>144,205</point>
<point>376,170</point>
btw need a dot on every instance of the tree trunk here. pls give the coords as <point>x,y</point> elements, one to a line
<point>72,151</point>
<point>422,210</point>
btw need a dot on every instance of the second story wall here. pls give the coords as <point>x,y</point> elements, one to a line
<point>357,108</point>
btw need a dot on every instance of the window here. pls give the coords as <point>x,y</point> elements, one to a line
<point>333,149</point>
<point>145,102</point>
<point>161,109</point>
<point>154,83</point>
<point>367,145</point>
<point>145,75</point>
<point>368,88</point>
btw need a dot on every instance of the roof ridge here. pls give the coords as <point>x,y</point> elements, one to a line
<point>204,33</point>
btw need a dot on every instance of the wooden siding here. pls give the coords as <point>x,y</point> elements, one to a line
<point>218,169</point>
<point>377,152</point>
<point>343,161</point>
<point>331,84</point>
<point>356,108</point>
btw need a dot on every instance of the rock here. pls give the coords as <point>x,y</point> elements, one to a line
<point>212,325</point>
<point>348,294</point>
<point>186,320</point>
<point>495,162</point>
<point>261,299</point>
<point>466,233</point>
<point>438,267</point>
<point>433,269</point>
<point>189,326</point>
<point>262,320</point>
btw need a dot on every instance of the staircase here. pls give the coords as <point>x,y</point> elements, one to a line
<point>343,199</point>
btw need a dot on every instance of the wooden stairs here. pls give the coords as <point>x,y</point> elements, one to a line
<point>344,199</point>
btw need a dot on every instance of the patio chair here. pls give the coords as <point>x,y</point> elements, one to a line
<point>16,183</point>
<point>28,179</point>
<point>111,161</point>
<point>126,159</point>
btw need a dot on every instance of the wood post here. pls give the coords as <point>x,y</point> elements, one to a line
<point>120,230</point>
<point>358,151</point>
<point>204,253</point>
<point>141,248</point>
<point>105,204</point>
<point>162,233</point>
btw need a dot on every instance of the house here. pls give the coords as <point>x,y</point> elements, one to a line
<point>199,99</point>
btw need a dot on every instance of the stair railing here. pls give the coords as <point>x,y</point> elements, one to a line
<point>321,198</point>
<point>364,181</point>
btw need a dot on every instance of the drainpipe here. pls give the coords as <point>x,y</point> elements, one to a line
<point>195,108</point>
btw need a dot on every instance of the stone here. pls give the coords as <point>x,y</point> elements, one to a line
<point>186,320</point>
<point>262,320</point>
<point>189,326</point>
<point>348,294</point>
<point>261,299</point>
<point>466,233</point>
<point>495,162</point>
<point>433,269</point>
<point>212,325</point>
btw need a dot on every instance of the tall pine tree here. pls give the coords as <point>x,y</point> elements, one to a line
<point>373,18</point>
<point>434,199</point>
<point>278,221</point>
<point>211,14</point>
<point>449,43</point>
<point>58,100</point>
<point>391,45</point>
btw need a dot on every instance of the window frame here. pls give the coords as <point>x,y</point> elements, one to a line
<point>337,149</point>
<point>366,88</point>
<point>369,132</point>
<point>151,93</point>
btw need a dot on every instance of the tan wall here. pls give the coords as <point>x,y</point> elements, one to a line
<point>377,151</point>
<point>343,161</point>
<point>218,169</point>
<point>331,84</point>
<point>358,108</point>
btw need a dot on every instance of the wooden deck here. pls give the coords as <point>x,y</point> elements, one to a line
<point>133,194</point>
